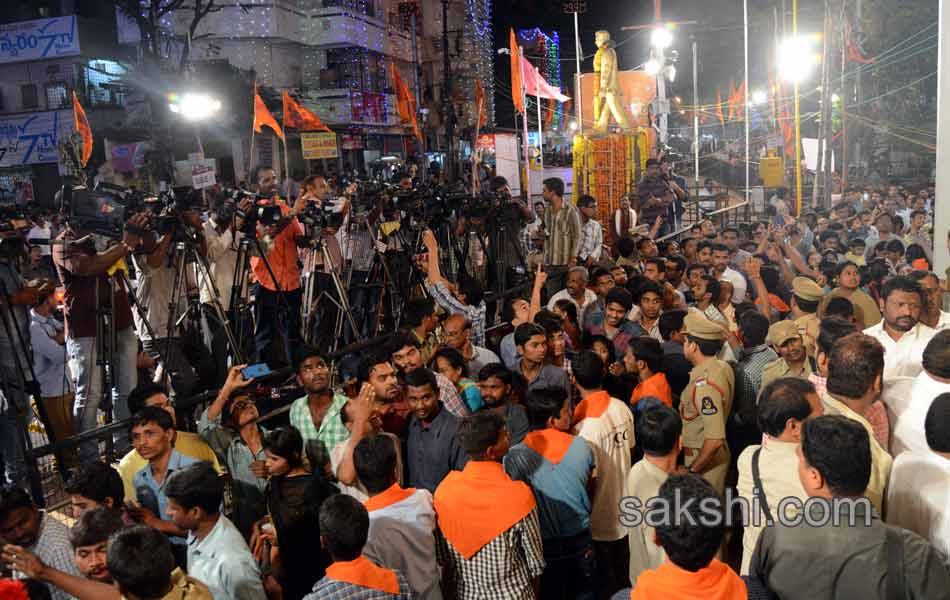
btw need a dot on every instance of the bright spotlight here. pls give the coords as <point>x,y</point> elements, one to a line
<point>671,73</point>
<point>573,125</point>
<point>759,97</point>
<point>194,106</point>
<point>652,66</point>
<point>661,38</point>
<point>835,97</point>
<point>796,57</point>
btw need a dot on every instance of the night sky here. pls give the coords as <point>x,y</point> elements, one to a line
<point>718,31</point>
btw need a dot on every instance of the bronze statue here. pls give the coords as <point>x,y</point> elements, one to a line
<point>607,91</point>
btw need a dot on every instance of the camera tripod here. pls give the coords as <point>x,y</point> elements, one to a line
<point>341,301</point>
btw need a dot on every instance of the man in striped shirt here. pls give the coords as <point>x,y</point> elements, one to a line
<point>562,226</point>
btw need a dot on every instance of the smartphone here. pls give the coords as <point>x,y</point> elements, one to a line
<point>258,370</point>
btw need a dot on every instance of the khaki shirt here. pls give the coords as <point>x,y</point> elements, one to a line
<point>809,327</point>
<point>186,588</point>
<point>643,482</point>
<point>704,406</point>
<point>870,313</point>
<point>778,470</point>
<point>778,368</point>
<point>881,461</point>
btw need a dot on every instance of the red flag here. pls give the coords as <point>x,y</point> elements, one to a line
<point>405,103</point>
<point>299,117</point>
<point>262,116</point>
<point>722,118</point>
<point>536,85</point>
<point>81,124</point>
<point>517,87</point>
<point>855,53</point>
<point>480,104</point>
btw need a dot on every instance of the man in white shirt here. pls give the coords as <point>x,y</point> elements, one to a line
<point>723,272</point>
<point>908,399</point>
<point>576,291</point>
<point>901,333</point>
<point>41,230</point>
<point>932,314</point>
<point>770,471</point>
<point>217,554</point>
<point>607,424</point>
<point>918,494</point>
<point>222,240</point>
<point>592,233</point>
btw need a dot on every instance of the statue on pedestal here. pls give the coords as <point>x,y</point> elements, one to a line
<point>607,94</point>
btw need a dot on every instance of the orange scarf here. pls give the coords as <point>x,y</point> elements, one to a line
<point>656,386</point>
<point>479,503</point>
<point>776,303</point>
<point>592,406</point>
<point>365,574</point>
<point>549,443</point>
<point>391,495</point>
<point>715,581</point>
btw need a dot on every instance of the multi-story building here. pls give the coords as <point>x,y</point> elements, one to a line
<point>47,51</point>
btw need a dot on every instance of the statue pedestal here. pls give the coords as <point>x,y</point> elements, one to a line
<point>607,166</point>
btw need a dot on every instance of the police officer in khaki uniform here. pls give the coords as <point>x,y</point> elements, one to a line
<point>706,401</point>
<point>792,360</point>
<point>806,296</point>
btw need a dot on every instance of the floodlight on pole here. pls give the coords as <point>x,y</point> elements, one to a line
<point>759,97</point>
<point>796,58</point>
<point>652,66</point>
<point>194,106</point>
<point>662,37</point>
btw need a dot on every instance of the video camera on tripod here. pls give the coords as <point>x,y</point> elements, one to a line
<point>103,210</point>
<point>263,210</point>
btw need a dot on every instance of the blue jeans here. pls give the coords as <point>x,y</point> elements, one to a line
<point>276,311</point>
<point>87,377</point>
<point>569,570</point>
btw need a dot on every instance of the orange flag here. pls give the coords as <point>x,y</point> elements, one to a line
<point>405,103</point>
<point>480,103</point>
<point>722,118</point>
<point>81,124</point>
<point>552,109</point>
<point>517,88</point>
<point>299,117</point>
<point>262,116</point>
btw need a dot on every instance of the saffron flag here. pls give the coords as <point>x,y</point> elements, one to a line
<point>262,116</point>
<point>480,104</point>
<point>405,103</point>
<point>722,118</point>
<point>299,117</point>
<point>741,102</point>
<point>732,100</point>
<point>81,124</point>
<point>536,85</point>
<point>517,87</point>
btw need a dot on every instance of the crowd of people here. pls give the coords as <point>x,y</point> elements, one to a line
<point>750,411</point>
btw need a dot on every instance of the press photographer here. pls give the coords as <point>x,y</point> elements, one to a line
<point>15,353</point>
<point>166,283</point>
<point>97,304</point>
<point>277,289</point>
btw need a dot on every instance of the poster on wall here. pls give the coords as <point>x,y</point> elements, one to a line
<point>31,138</point>
<point>506,160</point>
<point>127,158</point>
<point>39,40</point>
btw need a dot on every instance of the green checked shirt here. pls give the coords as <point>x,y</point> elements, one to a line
<point>319,442</point>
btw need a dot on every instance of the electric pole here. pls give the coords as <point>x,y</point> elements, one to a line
<point>447,111</point>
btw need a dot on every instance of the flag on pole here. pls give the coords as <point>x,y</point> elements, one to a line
<point>262,116</point>
<point>732,100</point>
<point>552,109</point>
<point>536,85</point>
<point>81,124</point>
<point>855,53</point>
<point>299,117</point>
<point>405,103</point>
<point>722,118</point>
<point>480,104</point>
<point>517,88</point>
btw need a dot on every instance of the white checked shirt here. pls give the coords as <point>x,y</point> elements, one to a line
<point>474,314</point>
<point>53,548</point>
<point>592,240</point>
<point>904,357</point>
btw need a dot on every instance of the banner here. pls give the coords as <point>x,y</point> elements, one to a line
<point>39,39</point>
<point>351,142</point>
<point>486,141</point>
<point>32,138</point>
<point>318,145</point>
<point>126,158</point>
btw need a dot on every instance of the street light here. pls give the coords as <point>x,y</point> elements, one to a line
<point>796,58</point>
<point>662,37</point>
<point>193,106</point>
<point>573,125</point>
<point>652,66</point>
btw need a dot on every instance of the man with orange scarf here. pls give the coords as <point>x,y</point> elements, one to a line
<point>489,542</point>
<point>690,541</point>
<point>559,467</point>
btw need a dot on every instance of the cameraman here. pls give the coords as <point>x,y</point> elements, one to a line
<point>156,293</point>
<point>277,303</point>
<point>15,355</point>
<point>85,274</point>
<point>222,233</point>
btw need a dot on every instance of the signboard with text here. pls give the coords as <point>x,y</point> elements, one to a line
<point>39,39</point>
<point>485,141</point>
<point>318,144</point>
<point>32,138</point>
<point>351,142</point>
